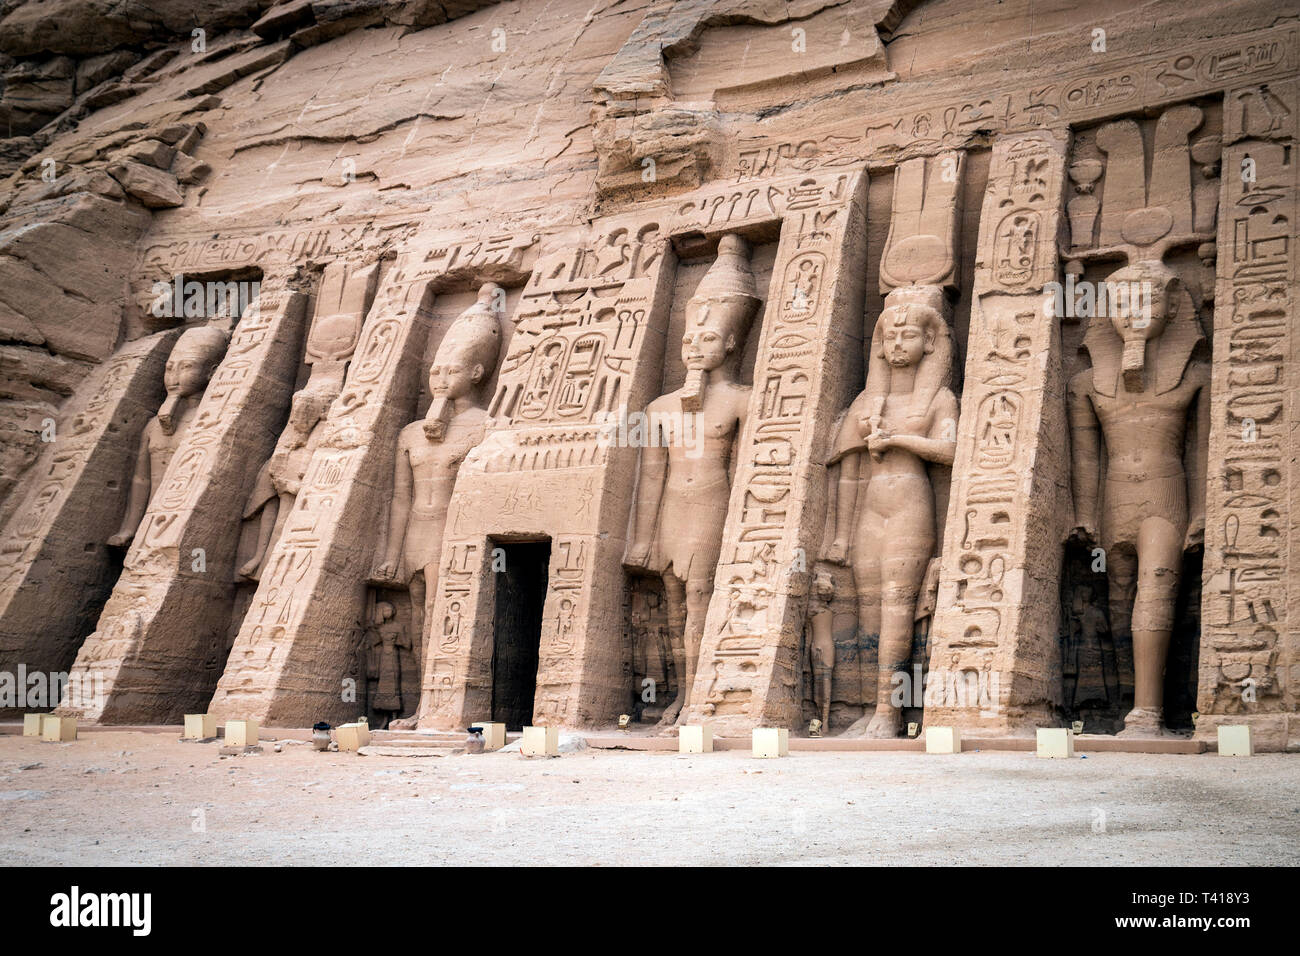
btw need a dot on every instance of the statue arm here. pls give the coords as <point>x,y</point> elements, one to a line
<point>846,500</point>
<point>1196,466</point>
<point>940,444</point>
<point>398,514</point>
<point>137,501</point>
<point>1085,450</point>
<point>649,492</point>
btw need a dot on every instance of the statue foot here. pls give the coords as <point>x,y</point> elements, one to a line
<point>402,723</point>
<point>1145,722</point>
<point>249,569</point>
<point>671,719</point>
<point>879,725</point>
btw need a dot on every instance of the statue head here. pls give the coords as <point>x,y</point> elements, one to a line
<point>383,612</point>
<point>1150,313</point>
<point>910,332</point>
<point>907,332</point>
<point>466,356</point>
<point>1139,298</point>
<point>311,404</point>
<point>193,360</point>
<point>718,318</point>
<point>719,313</point>
<point>189,367</point>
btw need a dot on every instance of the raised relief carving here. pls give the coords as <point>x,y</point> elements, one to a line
<point>1147,386</point>
<point>187,372</point>
<point>684,488</point>
<point>1143,407</point>
<point>430,452</point>
<point>341,306</point>
<point>886,521</point>
<point>903,422</point>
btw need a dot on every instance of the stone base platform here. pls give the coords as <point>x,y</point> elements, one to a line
<point>1088,743</point>
<point>415,739</point>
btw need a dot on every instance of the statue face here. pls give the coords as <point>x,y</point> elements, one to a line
<point>452,374</point>
<point>904,338</point>
<point>707,341</point>
<point>305,412</point>
<point>1140,317</point>
<point>188,369</point>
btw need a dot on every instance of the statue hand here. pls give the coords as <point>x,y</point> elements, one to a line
<point>386,573</point>
<point>120,540</point>
<point>1195,533</point>
<point>838,553</point>
<point>637,555</point>
<point>879,442</point>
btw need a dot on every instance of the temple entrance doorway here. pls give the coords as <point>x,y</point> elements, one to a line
<point>520,575</point>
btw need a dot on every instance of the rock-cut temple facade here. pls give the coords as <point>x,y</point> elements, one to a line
<point>755,363</point>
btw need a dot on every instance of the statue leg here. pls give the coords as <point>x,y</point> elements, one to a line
<point>699,589</point>
<point>823,662</point>
<point>675,597</point>
<point>897,622</point>
<point>1121,579</point>
<point>1159,562</point>
<point>866,581</point>
<point>266,523</point>
<point>418,592</point>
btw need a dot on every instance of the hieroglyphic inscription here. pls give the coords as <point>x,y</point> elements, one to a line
<point>52,560</point>
<point>1126,84</point>
<point>1247,651</point>
<point>992,610</point>
<point>749,659</point>
<point>164,660</point>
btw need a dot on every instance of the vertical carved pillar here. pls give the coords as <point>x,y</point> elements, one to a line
<point>54,566</point>
<point>1250,648</point>
<point>158,644</point>
<point>295,642</point>
<point>993,646</point>
<point>749,667</point>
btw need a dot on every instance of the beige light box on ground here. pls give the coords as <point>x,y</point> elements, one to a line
<point>352,736</point>
<point>942,740</point>
<point>695,739</point>
<point>241,733</point>
<point>58,729</point>
<point>494,734</point>
<point>771,742</point>
<point>1236,740</point>
<point>1055,742</point>
<point>199,727</point>
<point>540,742</point>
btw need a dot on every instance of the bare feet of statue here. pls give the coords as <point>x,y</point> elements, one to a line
<point>882,724</point>
<point>402,723</point>
<point>1145,722</point>
<point>671,719</point>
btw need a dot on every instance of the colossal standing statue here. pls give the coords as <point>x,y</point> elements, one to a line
<point>1146,380</point>
<point>904,421</point>
<point>429,453</point>
<point>191,363</point>
<point>684,483</point>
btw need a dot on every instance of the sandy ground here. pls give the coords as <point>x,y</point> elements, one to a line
<point>131,798</point>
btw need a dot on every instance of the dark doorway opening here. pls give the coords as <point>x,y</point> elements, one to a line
<point>517,633</point>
